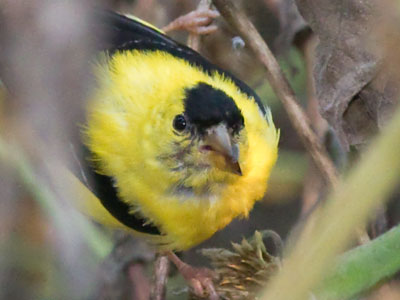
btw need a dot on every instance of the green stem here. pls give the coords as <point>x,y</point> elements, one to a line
<point>362,268</point>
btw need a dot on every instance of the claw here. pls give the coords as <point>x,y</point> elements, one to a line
<point>195,22</point>
<point>200,280</point>
<point>212,293</point>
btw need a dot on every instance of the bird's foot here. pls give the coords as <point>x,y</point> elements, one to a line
<point>200,280</point>
<point>196,22</point>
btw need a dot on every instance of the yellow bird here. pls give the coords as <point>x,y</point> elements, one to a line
<point>175,146</point>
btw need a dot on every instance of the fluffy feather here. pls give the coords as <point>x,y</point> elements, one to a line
<point>130,133</point>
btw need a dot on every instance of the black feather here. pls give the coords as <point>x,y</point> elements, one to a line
<point>103,187</point>
<point>206,106</point>
<point>127,34</point>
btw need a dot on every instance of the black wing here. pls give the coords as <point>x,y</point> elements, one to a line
<point>116,31</point>
<point>128,34</point>
<point>103,187</point>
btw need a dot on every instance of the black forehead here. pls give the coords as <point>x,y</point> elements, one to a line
<point>206,106</point>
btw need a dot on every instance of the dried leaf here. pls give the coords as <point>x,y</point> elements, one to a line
<point>291,24</point>
<point>354,89</point>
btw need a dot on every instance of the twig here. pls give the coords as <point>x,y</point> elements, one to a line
<point>313,184</point>
<point>141,286</point>
<point>281,87</point>
<point>120,275</point>
<point>285,93</point>
<point>161,269</point>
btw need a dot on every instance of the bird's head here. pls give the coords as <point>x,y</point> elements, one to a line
<point>208,130</point>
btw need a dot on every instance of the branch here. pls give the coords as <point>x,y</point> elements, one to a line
<point>281,88</point>
<point>161,269</point>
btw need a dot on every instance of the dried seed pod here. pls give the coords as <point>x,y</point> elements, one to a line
<point>244,271</point>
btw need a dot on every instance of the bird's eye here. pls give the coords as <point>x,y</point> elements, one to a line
<point>179,123</point>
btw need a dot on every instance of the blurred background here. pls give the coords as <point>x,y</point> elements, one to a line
<point>48,250</point>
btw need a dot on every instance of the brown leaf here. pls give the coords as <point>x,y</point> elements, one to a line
<point>354,89</point>
<point>291,24</point>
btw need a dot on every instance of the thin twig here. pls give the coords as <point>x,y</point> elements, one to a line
<point>281,87</point>
<point>141,286</point>
<point>161,269</point>
<point>313,184</point>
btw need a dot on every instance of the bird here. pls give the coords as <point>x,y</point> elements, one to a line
<point>174,146</point>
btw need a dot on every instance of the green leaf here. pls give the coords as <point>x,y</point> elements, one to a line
<point>362,268</point>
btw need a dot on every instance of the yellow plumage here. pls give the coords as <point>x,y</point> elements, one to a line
<point>129,131</point>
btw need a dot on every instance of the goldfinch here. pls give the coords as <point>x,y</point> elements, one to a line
<point>175,146</point>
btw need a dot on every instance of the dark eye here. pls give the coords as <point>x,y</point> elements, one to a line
<point>179,123</point>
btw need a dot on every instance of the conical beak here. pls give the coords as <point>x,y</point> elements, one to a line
<point>220,141</point>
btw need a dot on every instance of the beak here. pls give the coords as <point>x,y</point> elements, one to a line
<point>219,140</point>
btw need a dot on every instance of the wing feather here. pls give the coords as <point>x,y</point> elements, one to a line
<point>126,34</point>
